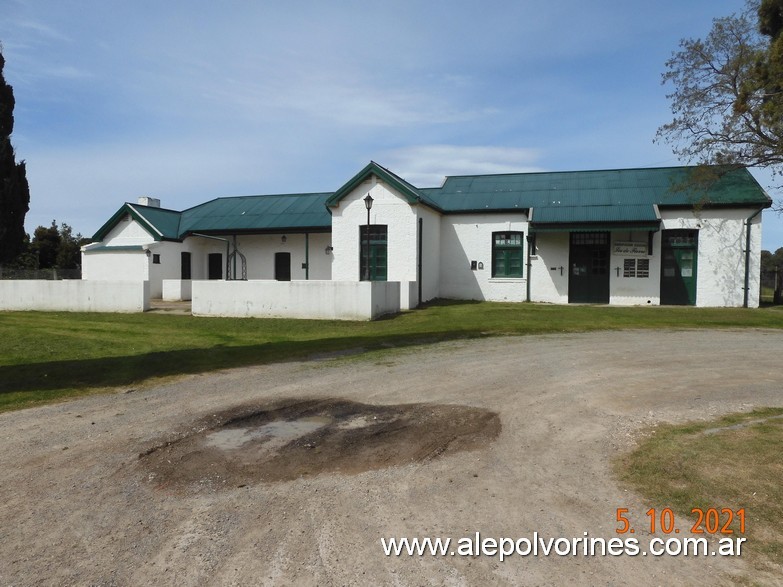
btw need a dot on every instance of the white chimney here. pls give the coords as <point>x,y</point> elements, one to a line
<point>147,201</point>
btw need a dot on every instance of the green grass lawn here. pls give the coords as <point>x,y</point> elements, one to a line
<point>50,356</point>
<point>733,463</point>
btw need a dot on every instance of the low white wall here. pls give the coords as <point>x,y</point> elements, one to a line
<point>409,295</point>
<point>332,300</point>
<point>75,296</point>
<point>177,290</point>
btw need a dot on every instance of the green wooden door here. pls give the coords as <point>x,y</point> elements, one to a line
<point>679,262</point>
<point>588,261</point>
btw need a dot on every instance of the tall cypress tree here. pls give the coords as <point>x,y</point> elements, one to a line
<point>14,189</point>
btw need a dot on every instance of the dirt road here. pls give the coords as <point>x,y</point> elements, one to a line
<point>292,473</point>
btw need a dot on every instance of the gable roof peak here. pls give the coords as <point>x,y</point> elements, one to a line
<point>407,190</point>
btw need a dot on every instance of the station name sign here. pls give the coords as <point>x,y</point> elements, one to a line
<point>626,248</point>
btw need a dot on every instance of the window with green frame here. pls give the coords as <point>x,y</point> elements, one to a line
<point>507,254</point>
<point>377,256</point>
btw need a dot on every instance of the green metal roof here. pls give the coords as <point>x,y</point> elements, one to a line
<point>639,217</point>
<point>667,186</point>
<point>559,200</point>
<point>258,214</point>
<point>162,224</point>
<point>165,222</point>
<point>618,213</point>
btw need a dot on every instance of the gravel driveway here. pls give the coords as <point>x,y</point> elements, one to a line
<point>531,426</point>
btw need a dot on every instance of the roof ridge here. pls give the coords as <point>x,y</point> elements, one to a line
<point>287,195</point>
<point>154,207</point>
<point>574,171</point>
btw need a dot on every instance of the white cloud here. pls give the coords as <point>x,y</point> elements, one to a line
<point>428,165</point>
<point>43,30</point>
<point>84,186</point>
<point>343,97</point>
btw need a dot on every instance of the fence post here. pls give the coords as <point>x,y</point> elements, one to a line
<point>776,296</point>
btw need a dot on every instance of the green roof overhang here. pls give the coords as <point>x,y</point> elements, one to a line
<point>597,227</point>
<point>637,217</point>
<point>116,249</point>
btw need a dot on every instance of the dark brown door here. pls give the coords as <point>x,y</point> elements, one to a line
<point>283,266</point>
<point>588,262</point>
<point>215,266</point>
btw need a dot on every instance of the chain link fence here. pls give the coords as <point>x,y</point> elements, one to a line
<point>51,274</point>
<point>772,286</point>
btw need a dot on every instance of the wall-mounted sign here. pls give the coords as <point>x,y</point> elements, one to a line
<point>626,248</point>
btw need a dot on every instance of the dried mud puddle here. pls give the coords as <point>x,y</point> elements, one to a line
<point>295,438</point>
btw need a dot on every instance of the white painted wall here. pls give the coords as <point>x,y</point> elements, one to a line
<point>103,265</point>
<point>409,295</point>
<point>389,208</point>
<point>331,300</point>
<point>260,253</point>
<point>635,291</point>
<point>74,296</point>
<point>430,244</point>
<point>128,232</point>
<point>450,243</point>
<point>177,290</point>
<point>549,268</point>
<point>720,277</point>
<point>136,265</point>
<point>113,266</point>
<point>468,237</point>
<point>720,269</point>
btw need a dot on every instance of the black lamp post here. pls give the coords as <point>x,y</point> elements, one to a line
<point>368,205</point>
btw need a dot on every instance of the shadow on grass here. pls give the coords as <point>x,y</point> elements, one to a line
<point>127,370</point>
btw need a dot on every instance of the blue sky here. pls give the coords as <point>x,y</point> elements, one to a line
<point>191,100</point>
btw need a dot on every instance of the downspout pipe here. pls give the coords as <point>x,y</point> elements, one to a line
<point>307,256</point>
<point>747,255</point>
<point>419,255</point>
<point>531,240</point>
<point>228,247</point>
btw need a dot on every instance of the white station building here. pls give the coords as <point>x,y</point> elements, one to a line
<point>379,244</point>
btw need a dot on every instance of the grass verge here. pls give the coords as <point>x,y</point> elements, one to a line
<point>45,357</point>
<point>734,462</point>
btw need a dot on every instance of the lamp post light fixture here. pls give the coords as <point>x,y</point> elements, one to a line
<point>368,205</point>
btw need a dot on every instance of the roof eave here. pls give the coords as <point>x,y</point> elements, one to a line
<point>259,231</point>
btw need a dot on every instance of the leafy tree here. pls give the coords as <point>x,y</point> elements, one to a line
<point>52,247</point>
<point>55,247</point>
<point>46,244</point>
<point>69,254</point>
<point>771,261</point>
<point>14,189</point>
<point>772,272</point>
<point>727,99</point>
